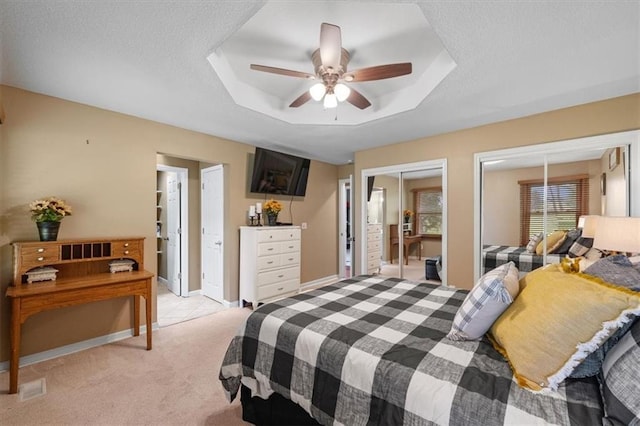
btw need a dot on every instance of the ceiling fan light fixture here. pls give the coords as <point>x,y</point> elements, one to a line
<point>330,100</point>
<point>342,92</point>
<point>317,91</point>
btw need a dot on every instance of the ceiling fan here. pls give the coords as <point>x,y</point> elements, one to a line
<point>330,65</point>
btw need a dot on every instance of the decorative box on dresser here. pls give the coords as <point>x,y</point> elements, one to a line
<point>269,263</point>
<point>374,247</point>
<point>77,272</point>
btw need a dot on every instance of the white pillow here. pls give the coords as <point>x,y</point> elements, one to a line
<point>492,294</point>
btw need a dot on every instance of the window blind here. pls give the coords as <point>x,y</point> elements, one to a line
<point>567,200</point>
<point>428,202</point>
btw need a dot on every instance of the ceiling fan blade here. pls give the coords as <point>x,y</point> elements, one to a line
<point>330,45</point>
<point>379,72</point>
<point>355,98</point>
<point>301,100</point>
<point>282,71</point>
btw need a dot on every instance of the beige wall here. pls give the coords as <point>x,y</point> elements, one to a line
<point>104,164</point>
<point>501,206</point>
<point>614,115</point>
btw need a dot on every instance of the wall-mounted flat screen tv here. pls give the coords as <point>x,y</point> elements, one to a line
<point>278,173</point>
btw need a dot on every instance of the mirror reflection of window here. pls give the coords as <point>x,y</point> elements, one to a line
<point>428,202</point>
<point>518,204</point>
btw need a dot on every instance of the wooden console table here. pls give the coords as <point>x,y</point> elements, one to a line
<point>83,276</point>
<point>407,242</point>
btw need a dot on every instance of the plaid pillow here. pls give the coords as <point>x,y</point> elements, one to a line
<point>580,247</point>
<point>621,380</point>
<point>534,240</point>
<point>491,295</point>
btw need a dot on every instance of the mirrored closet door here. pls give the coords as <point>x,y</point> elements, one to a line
<point>405,227</point>
<point>529,200</point>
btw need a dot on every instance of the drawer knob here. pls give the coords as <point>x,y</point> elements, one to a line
<point>270,249</point>
<point>291,258</point>
<point>270,262</point>
<point>41,258</point>
<point>126,252</point>
<point>126,244</point>
<point>40,250</point>
<point>280,276</point>
<point>280,288</point>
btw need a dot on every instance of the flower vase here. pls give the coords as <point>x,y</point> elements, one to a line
<point>48,231</point>
<point>407,219</point>
<point>271,219</point>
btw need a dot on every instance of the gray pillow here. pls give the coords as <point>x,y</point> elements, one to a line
<point>616,269</point>
<point>570,238</point>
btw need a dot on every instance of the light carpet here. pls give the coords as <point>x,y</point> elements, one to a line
<point>176,383</point>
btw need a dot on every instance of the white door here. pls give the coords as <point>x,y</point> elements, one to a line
<point>345,236</point>
<point>212,219</point>
<point>173,233</point>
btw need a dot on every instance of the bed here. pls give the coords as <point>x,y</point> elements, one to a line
<point>494,256</point>
<point>373,351</point>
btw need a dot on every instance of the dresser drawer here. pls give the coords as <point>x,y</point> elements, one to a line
<point>374,255</point>
<point>33,259</point>
<point>279,275</point>
<point>281,288</point>
<point>278,235</point>
<point>269,262</point>
<point>125,249</point>
<point>125,252</point>
<point>290,246</point>
<point>374,245</point>
<point>374,237</point>
<point>374,228</point>
<point>269,249</point>
<point>290,259</point>
<point>372,265</point>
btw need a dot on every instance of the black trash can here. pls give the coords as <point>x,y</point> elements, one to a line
<point>431,269</point>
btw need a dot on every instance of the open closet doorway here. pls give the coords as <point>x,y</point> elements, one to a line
<point>187,300</point>
<point>345,232</point>
<point>171,228</point>
<point>400,217</point>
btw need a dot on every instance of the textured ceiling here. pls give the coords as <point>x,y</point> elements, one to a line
<point>149,59</point>
<point>373,34</point>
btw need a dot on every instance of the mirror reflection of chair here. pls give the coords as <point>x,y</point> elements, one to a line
<point>407,241</point>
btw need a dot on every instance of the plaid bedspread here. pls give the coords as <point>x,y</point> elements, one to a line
<point>373,351</point>
<point>494,256</point>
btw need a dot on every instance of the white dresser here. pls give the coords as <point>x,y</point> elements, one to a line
<point>269,263</point>
<point>374,247</point>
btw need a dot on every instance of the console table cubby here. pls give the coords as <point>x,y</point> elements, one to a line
<point>83,276</point>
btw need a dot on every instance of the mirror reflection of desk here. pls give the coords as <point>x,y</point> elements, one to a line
<point>407,242</point>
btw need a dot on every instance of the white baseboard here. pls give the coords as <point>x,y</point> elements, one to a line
<point>195,293</point>
<point>319,282</point>
<point>232,304</point>
<point>77,347</point>
<point>163,281</point>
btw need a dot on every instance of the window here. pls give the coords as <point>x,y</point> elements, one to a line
<point>567,200</point>
<point>428,217</point>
